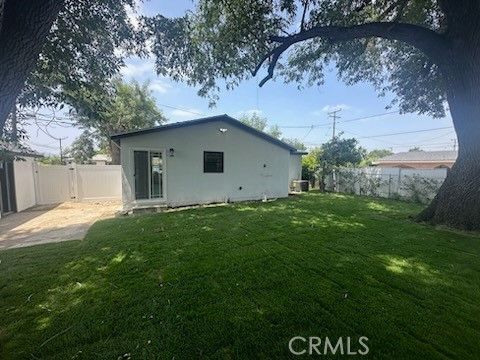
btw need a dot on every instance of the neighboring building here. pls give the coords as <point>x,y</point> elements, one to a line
<point>419,160</point>
<point>17,190</point>
<point>209,160</point>
<point>101,159</point>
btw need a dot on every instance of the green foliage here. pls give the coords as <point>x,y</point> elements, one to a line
<point>85,48</point>
<point>259,123</point>
<point>311,165</point>
<point>255,121</point>
<point>414,149</point>
<point>51,160</point>
<point>296,143</point>
<point>254,274</point>
<point>349,180</point>
<point>374,155</point>
<point>274,131</point>
<point>369,184</point>
<point>82,148</point>
<point>226,40</point>
<point>127,107</point>
<point>340,152</point>
<point>420,189</point>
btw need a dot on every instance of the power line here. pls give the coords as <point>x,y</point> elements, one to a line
<point>31,143</point>
<point>308,133</point>
<point>370,116</point>
<point>338,122</point>
<point>181,109</point>
<point>405,132</point>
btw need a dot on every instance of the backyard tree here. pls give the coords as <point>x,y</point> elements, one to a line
<point>296,143</point>
<point>259,122</point>
<point>339,152</point>
<point>374,155</point>
<point>127,107</point>
<point>49,47</point>
<point>311,165</point>
<point>82,148</point>
<point>424,51</point>
<point>24,26</point>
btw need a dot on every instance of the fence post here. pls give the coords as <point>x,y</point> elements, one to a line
<point>73,182</point>
<point>334,180</point>
<point>399,180</point>
<point>389,185</point>
<point>36,180</point>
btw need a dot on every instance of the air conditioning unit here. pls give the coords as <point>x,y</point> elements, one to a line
<point>300,185</point>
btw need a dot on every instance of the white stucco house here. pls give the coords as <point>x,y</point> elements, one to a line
<point>208,160</point>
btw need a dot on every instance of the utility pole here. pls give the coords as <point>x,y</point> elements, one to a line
<point>454,144</point>
<point>333,115</point>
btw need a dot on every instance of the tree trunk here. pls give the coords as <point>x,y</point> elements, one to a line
<point>457,203</point>
<point>114,153</point>
<point>25,26</point>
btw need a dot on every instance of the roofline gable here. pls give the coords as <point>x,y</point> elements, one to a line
<point>205,120</point>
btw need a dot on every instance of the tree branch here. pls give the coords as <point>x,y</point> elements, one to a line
<point>302,23</point>
<point>25,26</point>
<point>429,42</point>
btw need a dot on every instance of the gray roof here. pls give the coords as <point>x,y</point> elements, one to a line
<point>223,117</point>
<point>19,150</point>
<point>420,156</point>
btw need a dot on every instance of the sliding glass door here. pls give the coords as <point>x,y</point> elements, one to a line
<point>148,174</point>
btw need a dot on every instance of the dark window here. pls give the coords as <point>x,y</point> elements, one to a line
<point>140,160</point>
<point>212,162</point>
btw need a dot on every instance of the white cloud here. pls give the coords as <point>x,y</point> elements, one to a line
<point>189,113</point>
<point>250,112</point>
<point>329,108</point>
<point>159,86</point>
<point>133,13</point>
<point>138,69</point>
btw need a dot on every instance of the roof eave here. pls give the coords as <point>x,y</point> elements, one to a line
<point>117,137</point>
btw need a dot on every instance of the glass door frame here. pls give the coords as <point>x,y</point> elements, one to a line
<point>164,178</point>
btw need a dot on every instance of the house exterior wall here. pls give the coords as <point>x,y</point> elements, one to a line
<point>24,183</point>
<point>416,164</point>
<point>295,168</point>
<point>253,167</point>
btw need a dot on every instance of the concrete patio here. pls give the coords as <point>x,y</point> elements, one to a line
<point>53,223</point>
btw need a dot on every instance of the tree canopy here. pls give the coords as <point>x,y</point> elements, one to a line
<point>374,155</point>
<point>84,47</point>
<point>230,40</point>
<point>259,123</point>
<point>340,152</point>
<point>82,148</point>
<point>128,107</point>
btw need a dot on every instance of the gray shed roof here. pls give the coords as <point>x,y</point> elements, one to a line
<point>18,150</point>
<point>223,117</point>
<point>420,156</point>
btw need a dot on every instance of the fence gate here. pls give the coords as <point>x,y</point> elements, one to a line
<point>54,184</point>
<point>60,183</point>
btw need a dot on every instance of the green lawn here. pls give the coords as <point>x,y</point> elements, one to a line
<point>240,281</point>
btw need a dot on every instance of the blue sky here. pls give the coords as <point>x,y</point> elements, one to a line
<point>282,104</point>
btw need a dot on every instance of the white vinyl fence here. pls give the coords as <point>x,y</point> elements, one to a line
<point>59,183</point>
<point>408,184</point>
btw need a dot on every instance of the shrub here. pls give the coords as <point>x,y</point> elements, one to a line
<point>420,189</point>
